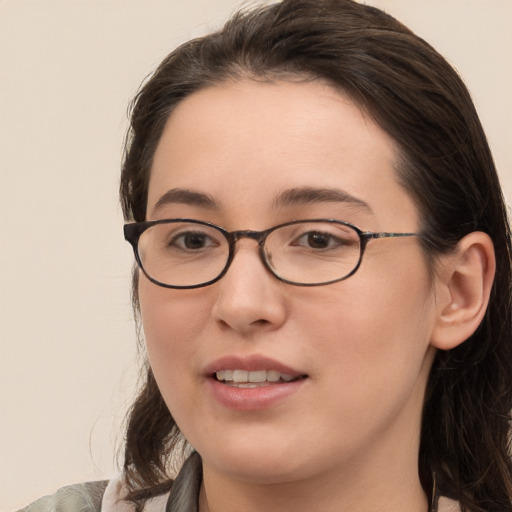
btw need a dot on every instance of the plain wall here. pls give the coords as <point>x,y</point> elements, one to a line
<point>68,69</point>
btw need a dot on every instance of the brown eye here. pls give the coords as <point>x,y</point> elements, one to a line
<point>319,240</point>
<point>192,241</point>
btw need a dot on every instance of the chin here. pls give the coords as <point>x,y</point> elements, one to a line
<point>258,462</point>
<point>260,471</point>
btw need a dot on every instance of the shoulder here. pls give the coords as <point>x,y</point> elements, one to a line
<point>102,496</point>
<point>109,495</point>
<point>86,497</point>
<point>448,505</point>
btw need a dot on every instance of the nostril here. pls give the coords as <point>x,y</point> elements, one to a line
<point>260,322</point>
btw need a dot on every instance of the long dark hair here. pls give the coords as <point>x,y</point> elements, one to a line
<point>445,163</point>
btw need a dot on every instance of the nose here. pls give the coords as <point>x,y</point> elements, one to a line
<point>249,298</point>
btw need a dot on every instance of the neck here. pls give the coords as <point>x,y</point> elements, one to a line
<point>356,490</point>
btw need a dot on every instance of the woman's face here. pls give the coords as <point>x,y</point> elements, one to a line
<point>359,348</point>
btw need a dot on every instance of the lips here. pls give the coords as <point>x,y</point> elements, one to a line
<point>252,383</point>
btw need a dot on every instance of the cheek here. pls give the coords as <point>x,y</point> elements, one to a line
<point>169,314</point>
<point>378,332</point>
<point>395,298</point>
<point>172,321</point>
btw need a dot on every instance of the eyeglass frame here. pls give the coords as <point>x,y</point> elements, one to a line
<point>134,230</point>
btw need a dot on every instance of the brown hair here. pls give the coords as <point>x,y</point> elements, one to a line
<point>445,164</point>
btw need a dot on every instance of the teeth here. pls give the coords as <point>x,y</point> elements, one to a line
<point>240,376</point>
<point>273,375</point>
<point>260,376</point>
<point>243,376</point>
<point>227,374</point>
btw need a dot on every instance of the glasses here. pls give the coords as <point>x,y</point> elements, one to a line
<point>186,253</point>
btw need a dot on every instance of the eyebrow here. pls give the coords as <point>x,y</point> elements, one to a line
<point>300,196</point>
<point>189,197</point>
<point>311,195</point>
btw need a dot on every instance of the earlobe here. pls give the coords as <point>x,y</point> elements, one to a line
<point>464,282</point>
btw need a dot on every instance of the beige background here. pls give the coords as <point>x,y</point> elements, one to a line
<point>67,71</point>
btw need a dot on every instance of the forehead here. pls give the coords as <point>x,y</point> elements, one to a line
<point>244,143</point>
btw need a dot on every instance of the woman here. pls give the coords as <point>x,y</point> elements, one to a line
<point>323,275</point>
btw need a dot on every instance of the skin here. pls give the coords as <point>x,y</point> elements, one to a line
<point>348,438</point>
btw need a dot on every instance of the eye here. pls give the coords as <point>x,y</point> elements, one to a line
<point>193,241</point>
<point>319,240</point>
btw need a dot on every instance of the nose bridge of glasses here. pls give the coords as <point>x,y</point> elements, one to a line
<point>257,236</point>
<point>253,235</point>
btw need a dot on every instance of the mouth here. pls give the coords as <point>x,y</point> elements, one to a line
<point>254,379</point>
<point>253,382</point>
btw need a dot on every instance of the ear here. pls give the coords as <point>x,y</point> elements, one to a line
<point>463,285</point>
